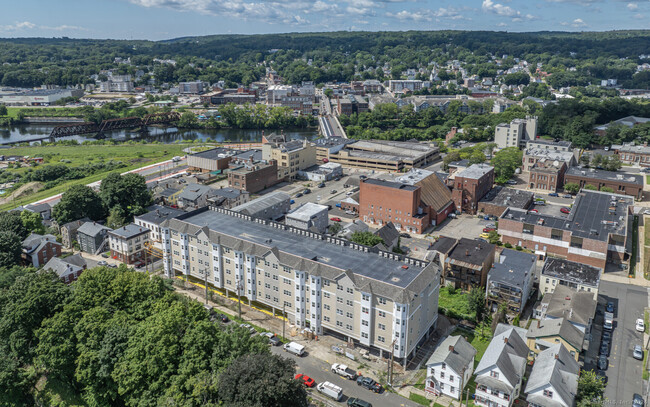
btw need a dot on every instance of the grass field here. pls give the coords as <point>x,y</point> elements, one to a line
<point>49,111</point>
<point>419,399</point>
<point>133,155</point>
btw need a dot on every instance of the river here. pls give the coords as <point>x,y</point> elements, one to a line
<point>26,132</point>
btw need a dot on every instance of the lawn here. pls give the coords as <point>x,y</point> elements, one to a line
<point>647,179</point>
<point>647,231</point>
<point>133,155</point>
<point>455,304</point>
<point>44,112</point>
<point>635,245</point>
<point>419,399</point>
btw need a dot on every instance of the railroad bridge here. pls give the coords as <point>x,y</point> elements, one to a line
<point>114,124</point>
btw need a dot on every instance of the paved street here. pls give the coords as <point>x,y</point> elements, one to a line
<point>320,371</point>
<point>624,372</point>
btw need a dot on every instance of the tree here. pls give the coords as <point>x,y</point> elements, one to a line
<point>590,389</point>
<point>78,202</point>
<point>116,218</point>
<point>335,228</point>
<point>572,188</point>
<point>612,163</point>
<point>188,120</point>
<point>3,110</point>
<point>129,192</point>
<point>10,248</point>
<point>328,93</point>
<point>590,187</point>
<point>607,189</point>
<point>477,157</point>
<point>261,381</point>
<point>585,160</point>
<point>476,300</point>
<point>366,239</point>
<point>33,222</point>
<point>12,221</point>
<point>505,163</point>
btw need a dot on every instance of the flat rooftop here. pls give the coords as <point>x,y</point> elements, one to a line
<point>214,153</point>
<point>594,215</point>
<point>399,149</point>
<point>614,176</point>
<point>307,211</point>
<point>512,267</point>
<point>475,171</point>
<point>571,271</point>
<point>369,265</point>
<point>554,155</point>
<point>390,184</point>
<point>561,143</point>
<point>510,197</point>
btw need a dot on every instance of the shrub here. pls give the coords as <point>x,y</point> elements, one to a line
<point>508,245</point>
<point>518,248</point>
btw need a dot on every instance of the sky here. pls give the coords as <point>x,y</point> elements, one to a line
<point>165,19</point>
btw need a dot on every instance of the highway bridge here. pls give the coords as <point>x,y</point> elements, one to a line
<point>330,127</point>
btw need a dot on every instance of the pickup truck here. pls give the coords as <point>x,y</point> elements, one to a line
<point>343,370</point>
<point>369,384</point>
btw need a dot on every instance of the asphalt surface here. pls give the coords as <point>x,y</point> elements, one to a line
<point>624,372</point>
<point>320,372</point>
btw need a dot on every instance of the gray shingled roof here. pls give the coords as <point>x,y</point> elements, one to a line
<point>507,351</point>
<point>91,228</point>
<point>561,373</point>
<point>60,265</point>
<point>458,359</point>
<point>557,327</point>
<point>388,233</point>
<point>576,306</point>
<point>129,231</point>
<point>158,214</point>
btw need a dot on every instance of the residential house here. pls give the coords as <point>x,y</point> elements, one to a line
<point>547,175</point>
<point>633,154</point>
<point>194,196</point>
<point>553,382</point>
<point>499,198</point>
<point>92,237</point>
<point>577,307</point>
<point>228,198</point>
<point>547,332</point>
<point>450,367</point>
<point>154,217</point>
<point>39,249</point>
<point>390,235</point>
<point>128,243</point>
<point>69,232</point>
<point>620,183</point>
<point>578,276</point>
<point>500,372</point>
<point>510,280</point>
<point>67,268</point>
<point>468,263</point>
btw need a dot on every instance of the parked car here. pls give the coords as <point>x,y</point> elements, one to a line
<point>299,194</point>
<point>511,182</point>
<point>331,390</point>
<point>335,219</point>
<point>604,349</point>
<point>273,339</point>
<point>405,235</point>
<point>452,216</point>
<point>637,400</point>
<point>484,235</point>
<point>104,255</point>
<point>338,205</point>
<point>488,230</point>
<point>491,226</point>
<point>363,176</point>
<point>540,203</point>
<point>637,352</point>
<point>534,211</point>
<point>306,191</point>
<point>602,362</point>
<point>640,325</point>
<point>355,402</point>
<point>292,202</point>
<point>306,380</point>
<point>247,326</point>
<point>333,191</point>
<point>349,193</point>
<point>610,306</point>
<point>602,376</point>
<point>369,384</point>
<point>565,210</point>
<point>553,194</point>
<point>568,196</point>
<point>102,263</point>
<point>295,348</point>
<point>344,371</point>
<point>224,318</point>
<point>607,336</point>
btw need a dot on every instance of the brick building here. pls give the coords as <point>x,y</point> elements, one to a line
<point>470,185</point>
<point>412,201</point>
<point>631,154</point>
<point>547,175</point>
<point>39,249</point>
<point>253,177</point>
<point>210,160</point>
<point>593,233</point>
<point>626,184</point>
<point>495,202</point>
<point>533,155</point>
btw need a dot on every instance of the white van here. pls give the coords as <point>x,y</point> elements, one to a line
<point>330,390</point>
<point>295,348</point>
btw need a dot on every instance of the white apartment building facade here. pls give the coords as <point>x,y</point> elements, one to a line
<point>375,299</point>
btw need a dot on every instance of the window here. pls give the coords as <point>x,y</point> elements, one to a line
<point>382,327</point>
<point>326,294</point>
<point>364,335</point>
<point>339,312</point>
<point>381,339</point>
<point>494,374</point>
<point>381,300</point>
<point>326,318</point>
<point>349,302</point>
<point>444,366</point>
<point>381,313</point>
<point>548,393</point>
<point>451,378</point>
<point>364,323</point>
<point>348,314</point>
<point>364,310</point>
<point>442,375</point>
<point>350,290</point>
<point>365,297</point>
<point>327,307</point>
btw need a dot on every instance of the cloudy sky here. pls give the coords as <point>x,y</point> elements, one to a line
<point>162,19</point>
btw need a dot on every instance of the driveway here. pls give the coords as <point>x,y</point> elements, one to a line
<point>466,226</point>
<point>624,372</point>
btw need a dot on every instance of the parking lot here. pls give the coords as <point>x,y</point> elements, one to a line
<point>466,226</point>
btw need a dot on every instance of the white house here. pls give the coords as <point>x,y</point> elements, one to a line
<point>500,371</point>
<point>553,381</point>
<point>450,367</point>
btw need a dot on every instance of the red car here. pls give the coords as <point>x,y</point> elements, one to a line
<point>335,219</point>
<point>534,211</point>
<point>306,380</point>
<point>488,230</point>
<point>565,210</point>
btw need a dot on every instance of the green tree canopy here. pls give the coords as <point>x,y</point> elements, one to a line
<point>505,163</point>
<point>13,222</point>
<point>590,389</point>
<point>366,238</point>
<point>261,381</point>
<point>78,202</point>
<point>572,188</point>
<point>10,248</point>
<point>32,221</point>
<point>128,192</point>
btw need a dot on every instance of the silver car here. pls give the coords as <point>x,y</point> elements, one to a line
<point>637,353</point>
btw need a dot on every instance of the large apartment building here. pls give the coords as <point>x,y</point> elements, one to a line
<point>291,157</point>
<point>593,233</point>
<point>374,298</point>
<point>516,133</point>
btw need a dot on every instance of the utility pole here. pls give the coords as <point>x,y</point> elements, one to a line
<point>239,295</point>
<point>283,319</point>
<point>205,272</point>
<point>390,365</point>
<point>466,397</point>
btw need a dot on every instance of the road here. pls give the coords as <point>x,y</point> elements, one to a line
<point>624,372</point>
<point>320,371</point>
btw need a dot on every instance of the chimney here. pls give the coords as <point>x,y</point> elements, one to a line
<point>451,348</point>
<point>505,340</point>
<point>466,252</point>
<point>557,356</point>
<point>539,323</point>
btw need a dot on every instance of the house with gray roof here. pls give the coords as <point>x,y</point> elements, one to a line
<point>92,237</point>
<point>309,216</point>
<point>69,232</point>
<point>553,382</point>
<point>578,307</point>
<point>271,206</point>
<point>547,332</point>
<point>68,268</point>
<point>510,280</point>
<point>500,372</point>
<point>450,367</point>
<point>194,196</point>
<point>389,234</point>
<point>128,244</point>
<point>154,217</point>
<point>39,249</point>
